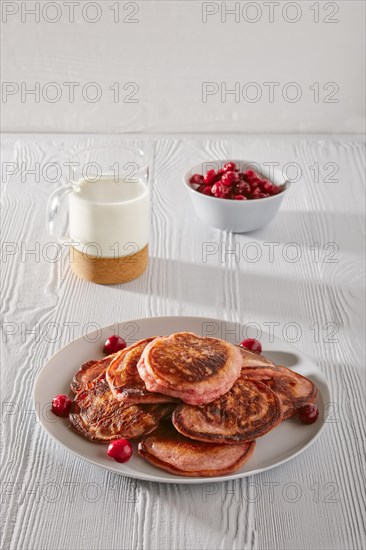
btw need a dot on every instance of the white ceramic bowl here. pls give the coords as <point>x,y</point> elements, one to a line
<point>232,215</point>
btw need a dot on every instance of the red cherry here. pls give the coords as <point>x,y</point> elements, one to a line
<point>308,414</point>
<point>61,405</point>
<point>266,186</point>
<point>252,344</point>
<point>113,344</point>
<point>230,177</point>
<point>275,190</point>
<point>225,181</point>
<point>205,190</point>
<point>210,177</point>
<point>220,190</point>
<point>197,179</point>
<point>255,193</point>
<point>243,188</point>
<point>229,166</point>
<point>120,450</point>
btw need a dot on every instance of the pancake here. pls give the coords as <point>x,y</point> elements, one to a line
<point>249,410</point>
<point>256,366</point>
<point>89,371</point>
<point>98,415</point>
<point>124,379</point>
<point>192,368</point>
<point>169,450</point>
<point>254,360</point>
<point>293,389</point>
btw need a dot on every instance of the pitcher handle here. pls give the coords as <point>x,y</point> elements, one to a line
<point>53,207</point>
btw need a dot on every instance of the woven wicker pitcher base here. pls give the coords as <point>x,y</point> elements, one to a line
<point>109,271</point>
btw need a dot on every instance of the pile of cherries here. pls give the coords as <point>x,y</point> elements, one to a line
<point>229,183</point>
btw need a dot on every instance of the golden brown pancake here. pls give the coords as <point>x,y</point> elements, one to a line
<point>293,389</point>
<point>89,371</point>
<point>193,368</point>
<point>256,366</point>
<point>124,379</point>
<point>98,415</point>
<point>254,360</point>
<point>169,450</point>
<point>249,410</point>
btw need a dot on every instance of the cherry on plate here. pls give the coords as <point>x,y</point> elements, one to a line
<point>252,344</point>
<point>61,405</point>
<point>308,414</point>
<point>120,450</point>
<point>113,344</point>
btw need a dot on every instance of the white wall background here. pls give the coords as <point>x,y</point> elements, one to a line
<point>169,52</point>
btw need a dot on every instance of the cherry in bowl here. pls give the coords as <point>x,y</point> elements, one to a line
<point>233,197</point>
<point>232,181</point>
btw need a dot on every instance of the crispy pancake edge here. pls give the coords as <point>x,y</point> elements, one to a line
<point>292,405</point>
<point>76,383</point>
<point>78,423</point>
<point>254,360</point>
<point>129,394</point>
<point>276,418</point>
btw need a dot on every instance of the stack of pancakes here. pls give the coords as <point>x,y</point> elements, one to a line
<point>195,404</point>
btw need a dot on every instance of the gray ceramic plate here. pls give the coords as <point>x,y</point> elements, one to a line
<point>283,443</point>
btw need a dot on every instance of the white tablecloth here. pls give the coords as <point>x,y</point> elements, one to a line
<point>53,500</point>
